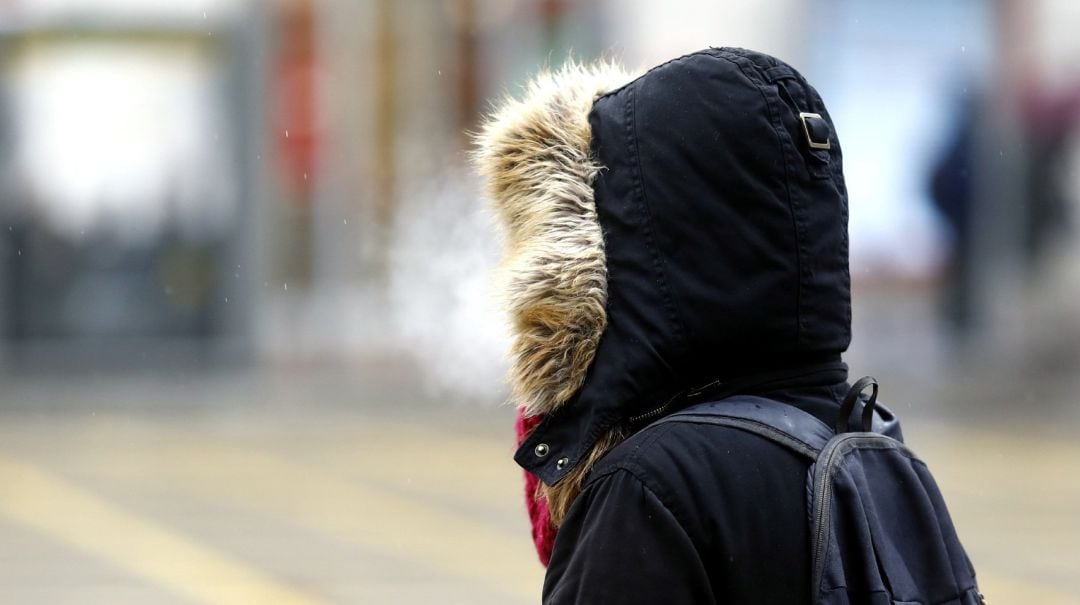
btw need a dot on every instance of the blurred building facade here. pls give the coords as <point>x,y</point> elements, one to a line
<point>127,193</point>
<point>288,181</point>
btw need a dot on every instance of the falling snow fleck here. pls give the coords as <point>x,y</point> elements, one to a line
<point>345,220</point>
<point>226,300</point>
<point>286,286</point>
<point>305,176</point>
<point>286,133</point>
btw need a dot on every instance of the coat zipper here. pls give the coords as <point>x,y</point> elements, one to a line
<point>689,394</point>
<point>655,412</point>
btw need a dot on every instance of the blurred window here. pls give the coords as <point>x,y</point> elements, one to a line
<point>121,183</point>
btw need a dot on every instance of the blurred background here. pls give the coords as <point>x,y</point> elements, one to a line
<point>248,352</point>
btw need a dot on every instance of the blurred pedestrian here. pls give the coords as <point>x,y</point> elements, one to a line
<point>952,190</point>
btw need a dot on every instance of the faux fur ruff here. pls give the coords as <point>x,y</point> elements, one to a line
<point>536,156</point>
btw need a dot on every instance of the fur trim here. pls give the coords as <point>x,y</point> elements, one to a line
<point>537,158</point>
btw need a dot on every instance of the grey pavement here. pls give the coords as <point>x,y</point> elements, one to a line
<point>357,485</point>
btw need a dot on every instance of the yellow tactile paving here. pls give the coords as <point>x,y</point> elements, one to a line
<point>34,498</point>
<point>437,512</point>
<point>378,519</point>
<point>293,480</point>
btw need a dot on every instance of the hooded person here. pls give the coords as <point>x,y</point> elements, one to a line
<point>674,237</point>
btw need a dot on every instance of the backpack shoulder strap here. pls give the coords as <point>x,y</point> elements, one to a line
<point>780,423</point>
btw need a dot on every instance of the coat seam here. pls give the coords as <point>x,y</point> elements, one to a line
<point>635,472</point>
<point>795,221</point>
<point>646,224</point>
<point>646,438</point>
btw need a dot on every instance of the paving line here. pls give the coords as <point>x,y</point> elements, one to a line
<point>36,499</point>
<point>403,527</point>
<point>374,518</point>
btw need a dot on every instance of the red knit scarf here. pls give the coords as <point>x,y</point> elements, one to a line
<point>543,531</point>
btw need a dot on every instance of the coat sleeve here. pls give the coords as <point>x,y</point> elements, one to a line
<point>620,544</point>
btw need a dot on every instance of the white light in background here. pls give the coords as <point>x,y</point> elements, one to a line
<point>129,9</point>
<point>111,133</point>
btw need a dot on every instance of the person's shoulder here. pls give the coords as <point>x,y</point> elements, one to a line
<point>664,450</point>
<point>713,479</point>
<point>636,453</point>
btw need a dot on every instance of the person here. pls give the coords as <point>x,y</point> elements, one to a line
<point>672,237</point>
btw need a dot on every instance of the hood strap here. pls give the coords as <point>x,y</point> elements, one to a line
<point>563,439</point>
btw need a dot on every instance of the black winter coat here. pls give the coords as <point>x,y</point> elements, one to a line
<point>683,514</point>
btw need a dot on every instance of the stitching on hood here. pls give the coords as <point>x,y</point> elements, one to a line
<point>753,73</point>
<point>670,306</point>
<point>537,159</point>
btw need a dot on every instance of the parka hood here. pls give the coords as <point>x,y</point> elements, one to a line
<point>685,228</point>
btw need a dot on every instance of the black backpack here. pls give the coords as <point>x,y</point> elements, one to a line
<point>879,530</point>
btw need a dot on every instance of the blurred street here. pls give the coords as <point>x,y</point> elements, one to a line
<point>294,490</point>
<point>306,487</point>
